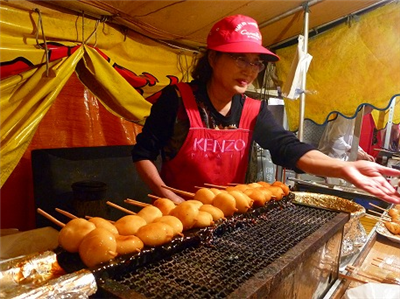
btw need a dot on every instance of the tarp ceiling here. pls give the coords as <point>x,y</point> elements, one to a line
<point>188,22</point>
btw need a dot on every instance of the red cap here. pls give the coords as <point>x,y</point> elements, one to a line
<point>238,34</point>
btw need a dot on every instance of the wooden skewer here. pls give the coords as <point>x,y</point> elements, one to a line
<point>215,186</point>
<point>375,212</point>
<point>388,279</point>
<point>386,267</point>
<point>120,208</point>
<point>378,207</point>
<point>153,196</point>
<point>233,184</point>
<point>383,217</point>
<point>383,260</point>
<point>384,264</point>
<point>373,217</point>
<point>65,213</point>
<point>359,272</point>
<point>180,192</point>
<point>136,203</point>
<point>51,218</point>
<point>353,278</point>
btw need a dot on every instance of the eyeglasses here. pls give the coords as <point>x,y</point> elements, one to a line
<point>243,63</point>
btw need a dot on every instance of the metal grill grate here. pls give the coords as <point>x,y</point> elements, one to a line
<point>218,267</point>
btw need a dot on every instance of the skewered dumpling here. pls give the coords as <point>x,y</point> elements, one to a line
<point>72,234</point>
<point>205,195</point>
<point>172,221</point>
<point>204,219</point>
<point>128,244</point>
<point>187,213</point>
<point>215,212</point>
<point>243,202</point>
<point>150,213</point>
<point>226,203</point>
<point>165,205</point>
<point>97,247</point>
<point>155,234</point>
<point>101,222</point>
<point>129,224</point>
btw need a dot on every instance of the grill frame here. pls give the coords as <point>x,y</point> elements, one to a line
<point>271,278</point>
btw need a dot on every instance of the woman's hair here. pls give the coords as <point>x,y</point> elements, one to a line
<point>203,70</point>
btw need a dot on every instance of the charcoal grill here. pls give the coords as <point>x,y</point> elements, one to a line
<point>283,252</point>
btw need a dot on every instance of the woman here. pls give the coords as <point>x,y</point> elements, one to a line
<point>204,129</point>
<point>337,138</point>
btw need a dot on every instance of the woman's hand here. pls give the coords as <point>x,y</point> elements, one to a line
<point>369,176</point>
<point>362,155</point>
<point>366,175</point>
<point>150,175</point>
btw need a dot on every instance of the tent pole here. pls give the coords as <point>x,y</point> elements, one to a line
<point>389,124</point>
<point>356,134</point>
<point>300,132</point>
<point>304,74</point>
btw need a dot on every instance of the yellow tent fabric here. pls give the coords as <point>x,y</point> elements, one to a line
<point>352,64</point>
<point>110,88</point>
<point>26,97</point>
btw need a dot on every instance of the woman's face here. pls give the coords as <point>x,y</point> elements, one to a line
<point>234,72</point>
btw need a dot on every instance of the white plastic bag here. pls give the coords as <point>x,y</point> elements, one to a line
<point>300,64</point>
<point>374,291</point>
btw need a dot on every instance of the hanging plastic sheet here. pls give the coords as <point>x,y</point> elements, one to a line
<point>300,65</point>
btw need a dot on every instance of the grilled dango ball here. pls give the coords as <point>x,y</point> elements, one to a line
<point>187,213</point>
<point>238,187</point>
<point>283,186</point>
<point>172,221</point>
<point>394,213</point>
<point>204,219</point>
<point>72,234</point>
<point>195,202</point>
<point>264,184</point>
<point>277,192</point>
<point>101,222</point>
<point>165,205</point>
<point>215,212</point>
<point>97,247</point>
<point>155,234</point>
<point>393,227</point>
<point>216,190</point>
<point>128,244</point>
<point>254,185</point>
<point>226,203</point>
<point>150,213</point>
<point>243,202</point>
<point>205,195</point>
<point>129,224</point>
<point>258,196</point>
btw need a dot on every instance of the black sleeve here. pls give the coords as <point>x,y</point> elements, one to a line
<point>158,127</point>
<point>285,148</point>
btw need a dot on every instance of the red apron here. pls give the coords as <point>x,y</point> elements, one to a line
<point>209,155</point>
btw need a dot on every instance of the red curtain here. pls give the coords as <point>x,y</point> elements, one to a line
<point>76,119</point>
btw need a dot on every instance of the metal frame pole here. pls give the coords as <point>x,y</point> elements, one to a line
<point>304,74</point>
<point>389,124</point>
